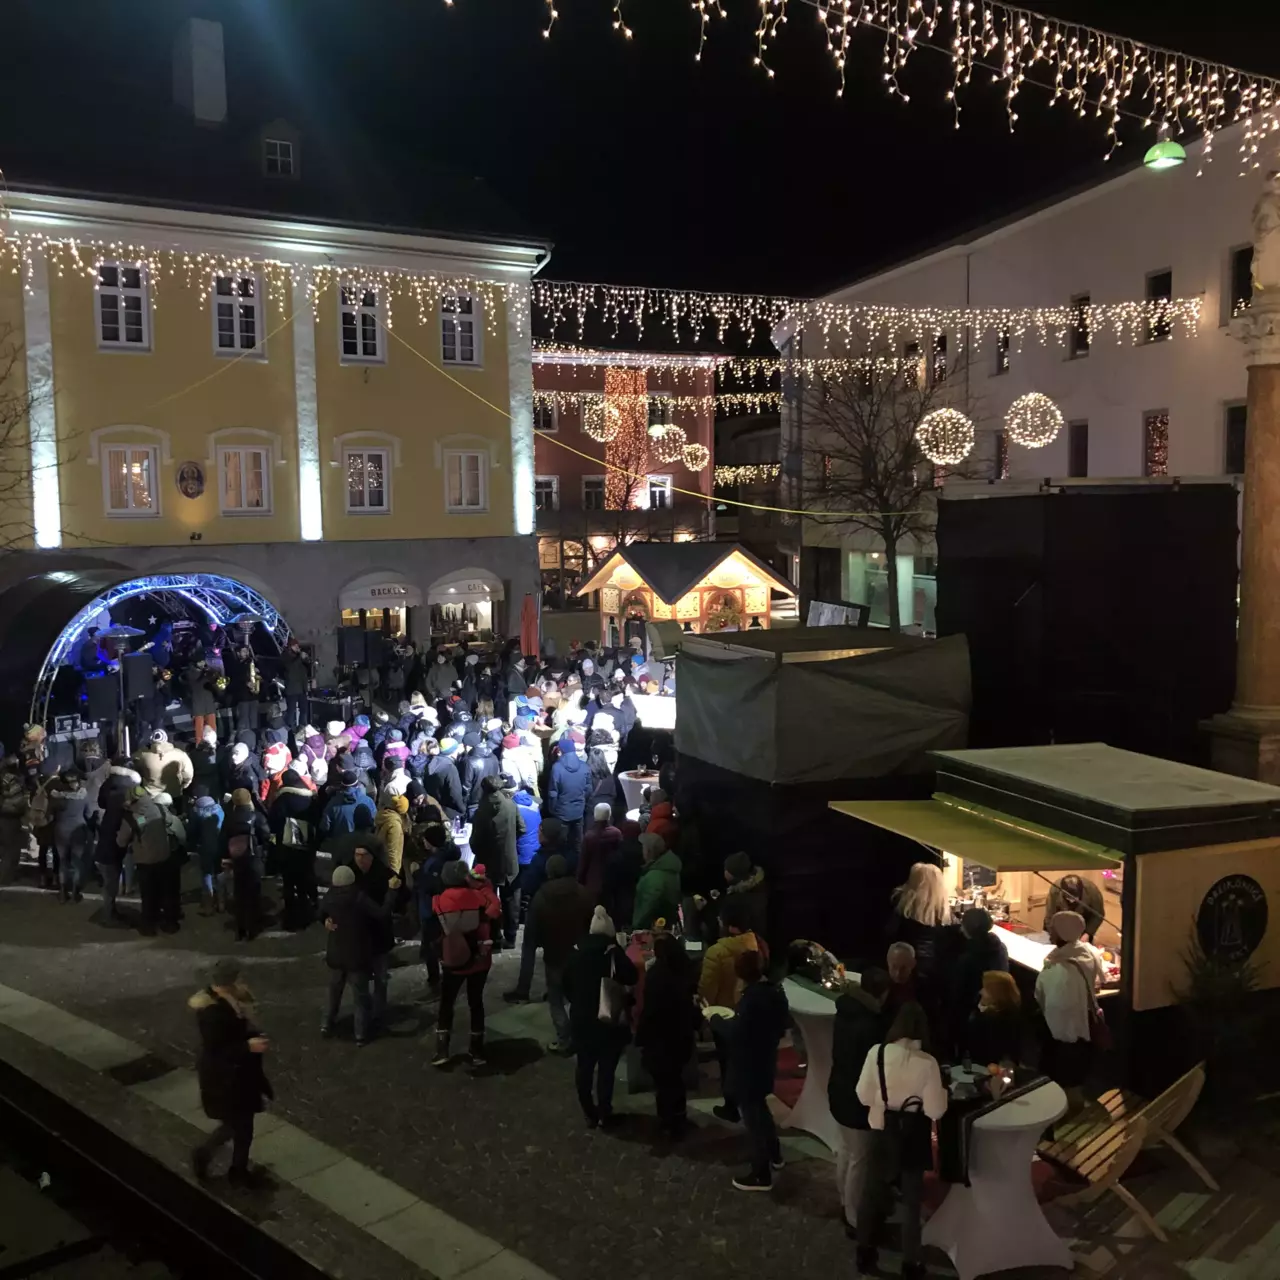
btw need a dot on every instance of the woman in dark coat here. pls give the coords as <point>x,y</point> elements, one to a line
<point>599,1043</point>
<point>229,1067</point>
<point>668,1025</point>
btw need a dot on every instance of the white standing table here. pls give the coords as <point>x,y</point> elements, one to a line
<point>996,1223</point>
<point>815,1015</point>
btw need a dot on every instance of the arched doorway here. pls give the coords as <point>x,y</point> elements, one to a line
<point>466,602</point>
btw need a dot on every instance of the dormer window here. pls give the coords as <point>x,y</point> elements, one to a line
<point>278,159</point>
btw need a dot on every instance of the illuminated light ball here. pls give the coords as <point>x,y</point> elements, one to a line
<point>945,437</point>
<point>696,456</point>
<point>669,446</point>
<point>1033,420</point>
<point>600,421</point>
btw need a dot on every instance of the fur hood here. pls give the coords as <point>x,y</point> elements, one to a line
<point>131,776</point>
<point>296,791</point>
<point>754,881</point>
<point>205,999</point>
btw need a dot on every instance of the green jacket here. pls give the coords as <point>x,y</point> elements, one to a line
<point>658,892</point>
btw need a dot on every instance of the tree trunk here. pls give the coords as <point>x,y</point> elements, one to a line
<point>891,568</point>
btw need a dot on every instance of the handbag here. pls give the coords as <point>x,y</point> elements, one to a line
<point>908,1131</point>
<point>613,997</point>
<point>1099,1033</point>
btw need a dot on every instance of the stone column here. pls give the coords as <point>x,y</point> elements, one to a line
<point>1246,741</point>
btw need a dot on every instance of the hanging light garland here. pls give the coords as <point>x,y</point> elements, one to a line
<point>726,402</point>
<point>695,456</point>
<point>1033,420</point>
<point>668,444</point>
<point>1091,72</point>
<point>945,437</point>
<point>747,473</point>
<point>597,421</point>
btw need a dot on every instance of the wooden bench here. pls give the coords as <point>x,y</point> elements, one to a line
<point>1102,1142</point>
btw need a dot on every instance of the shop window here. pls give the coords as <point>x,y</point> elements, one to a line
<point>1155,443</point>
<point>129,480</point>
<point>245,480</point>
<point>277,158</point>
<point>1002,352</point>
<point>122,307</point>
<point>360,313</point>
<point>1241,282</point>
<point>1078,335</point>
<point>1077,449</point>
<point>368,481</point>
<point>1234,426</point>
<point>1160,289</point>
<point>659,492</point>
<point>593,493</point>
<point>546,417</point>
<point>911,356</point>
<point>938,369</point>
<point>459,333</point>
<point>465,488</point>
<point>237,318</point>
<point>546,493</point>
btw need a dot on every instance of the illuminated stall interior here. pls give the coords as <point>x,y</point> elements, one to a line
<point>706,587</point>
<point>463,605</point>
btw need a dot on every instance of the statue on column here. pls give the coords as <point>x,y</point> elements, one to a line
<point>1266,236</point>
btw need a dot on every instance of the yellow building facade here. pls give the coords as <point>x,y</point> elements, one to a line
<point>301,405</point>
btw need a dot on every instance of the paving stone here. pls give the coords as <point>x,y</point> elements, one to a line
<point>438,1243</point>
<point>355,1192</point>
<point>292,1154</point>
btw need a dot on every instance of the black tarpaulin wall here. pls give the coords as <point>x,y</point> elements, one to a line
<point>820,720</point>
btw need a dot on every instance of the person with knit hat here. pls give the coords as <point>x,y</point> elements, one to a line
<point>352,923</point>
<point>466,911</point>
<point>658,890</point>
<point>145,832</point>
<point>568,786</point>
<point>441,779</point>
<point>745,884</point>
<point>292,820</point>
<point>391,826</point>
<point>599,844</point>
<point>1066,992</point>
<point>338,816</point>
<point>599,1019</point>
<point>561,913</point>
<point>440,850</point>
<point>204,839</point>
<point>244,840</point>
<point>980,953</point>
<point>275,760</point>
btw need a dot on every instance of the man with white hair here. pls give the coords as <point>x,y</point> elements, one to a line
<point>900,960</point>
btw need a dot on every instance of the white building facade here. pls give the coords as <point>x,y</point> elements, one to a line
<point>1172,407</point>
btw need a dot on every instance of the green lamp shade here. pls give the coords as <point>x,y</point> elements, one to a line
<point>1164,155</point>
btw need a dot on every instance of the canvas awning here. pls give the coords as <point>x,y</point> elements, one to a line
<point>997,841</point>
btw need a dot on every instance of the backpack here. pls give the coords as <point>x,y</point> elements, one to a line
<point>459,941</point>
<point>296,832</point>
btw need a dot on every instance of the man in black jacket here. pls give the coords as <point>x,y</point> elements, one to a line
<point>860,1025</point>
<point>296,667</point>
<point>441,780</point>
<point>353,922</point>
<point>373,879</point>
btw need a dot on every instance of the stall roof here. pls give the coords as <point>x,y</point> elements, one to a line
<point>672,569</point>
<point>979,835</point>
<point>801,644</point>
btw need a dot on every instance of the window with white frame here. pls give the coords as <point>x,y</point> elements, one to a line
<point>129,480</point>
<point>593,493</point>
<point>465,484</point>
<point>459,330</point>
<point>546,493</point>
<point>368,481</point>
<point>237,317</point>
<point>360,314</point>
<point>277,158</point>
<point>245,472</point>
<point>659,492</point>
<point>546,417</point>
<point>123,321</point>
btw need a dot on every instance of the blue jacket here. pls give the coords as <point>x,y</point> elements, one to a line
<point>527,844</point>
<point>204,832</point>
<point>569,787</point>
<point>340,813</point>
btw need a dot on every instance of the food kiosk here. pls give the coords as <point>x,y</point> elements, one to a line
<point>1186,861</point>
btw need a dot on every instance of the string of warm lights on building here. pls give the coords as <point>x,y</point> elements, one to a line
<point>747,473</point>
<point>1090,71</point>
<point>726,402</point>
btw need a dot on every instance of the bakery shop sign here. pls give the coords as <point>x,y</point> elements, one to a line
<point>1232,919</point>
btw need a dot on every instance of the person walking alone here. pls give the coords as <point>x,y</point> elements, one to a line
<point>233,1083</point>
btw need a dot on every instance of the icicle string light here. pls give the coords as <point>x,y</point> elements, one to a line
<point>747,473</point>
<point>726,402</point>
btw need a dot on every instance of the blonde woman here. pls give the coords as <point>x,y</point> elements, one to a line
<point>921,916</point>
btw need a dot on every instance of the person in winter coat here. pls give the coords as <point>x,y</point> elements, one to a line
<point>602,759</point>
<point>860,1024</point>
<point>205,769</point>
<point>440,678</point>
<point>440,850</point>
<point>338,816</point>
<point>145,832</point>
<point>375,881</point>
<point>113,799</point>
<point>69,808</point>
<point>662,820</point>
<point>161,764</point>
<point>204,839</point>
<point>275,760</point>
<point>481,763</point>
<point>667,1030</point>
<point>561,913</point>
<point>994,1031</point>
<point>622,873</point>
<point>568,786</point>
<point>391,825</point>
<point>658,891</point>
<point>395,779</point>
<point>292,822</point>
<point>745,884</point>
<point>718,982</point>
<point>395,748</point>
<point>522,759</point>
<point>527,842</point>
<point>599,844</point>
<point>980,953</point>
<point>13,813</point>
<point>599,1042</point>
<point>203,697</point>
<point>442,782</point>
<point>352,920</point>
<point>229,1069</point>
<point>244,838</point>
<point>244,772</point>
<point>922,917</point>
<point>466,910</point>
<point>495,836</point>
<point>752,1037</point>
<point>295,666</point>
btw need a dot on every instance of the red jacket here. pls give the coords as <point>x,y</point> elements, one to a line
<point>472,897</point>
<point>662,822</point>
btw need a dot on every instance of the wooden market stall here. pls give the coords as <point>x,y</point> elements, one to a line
<point>705,587</point>
<point>1184,861</point>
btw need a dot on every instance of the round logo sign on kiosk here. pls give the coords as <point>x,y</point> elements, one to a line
<point>1232,919</point>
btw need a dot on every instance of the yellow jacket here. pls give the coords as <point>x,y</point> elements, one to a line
<point>389,827</point>
<point>719,984</point>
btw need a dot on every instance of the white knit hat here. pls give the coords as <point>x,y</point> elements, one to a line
<point>334,727</point>
<point>603,812</point>
<point>602,923</point>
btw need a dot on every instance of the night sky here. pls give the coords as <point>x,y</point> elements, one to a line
<point>642,165</point>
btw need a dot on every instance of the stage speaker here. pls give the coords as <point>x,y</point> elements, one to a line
<point>139,675</point>
<point>353,646</point>
<point>103,693</point>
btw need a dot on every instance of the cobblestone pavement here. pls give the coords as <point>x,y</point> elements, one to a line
<point>504,1148</point>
